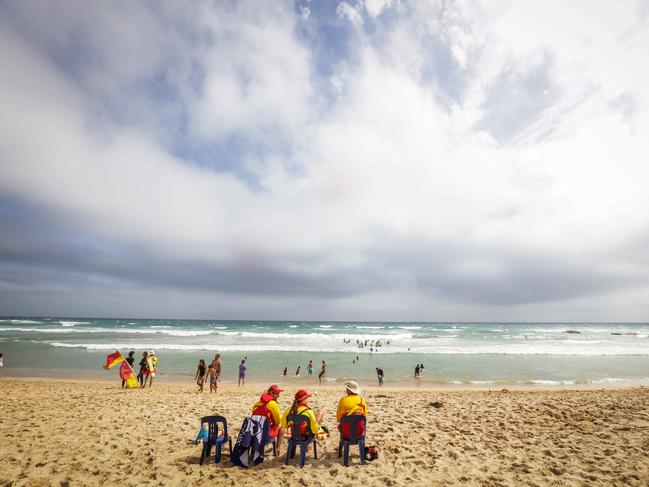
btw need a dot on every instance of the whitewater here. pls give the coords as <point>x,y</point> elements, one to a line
<point>534,353</point>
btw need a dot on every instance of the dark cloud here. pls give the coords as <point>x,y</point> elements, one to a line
<point>34,247</point>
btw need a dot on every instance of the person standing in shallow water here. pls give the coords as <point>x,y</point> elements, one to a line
<point>380,376</point>
<point>323,371</point>
<point>242,373</point>
<point>310,367</point>
<point>417,371</point>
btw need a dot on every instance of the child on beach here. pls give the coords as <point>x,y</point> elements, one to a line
<point>310,367</point>
<point>201,373</point>
<point>285,371</point>
<point>297,372</point>
<point>211,373</point>
<point>379,376</point>
<point>242,373</point>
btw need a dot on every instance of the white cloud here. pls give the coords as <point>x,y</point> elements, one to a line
<point>376,7</point>
<point>539,152</point>
<point>345,10</point>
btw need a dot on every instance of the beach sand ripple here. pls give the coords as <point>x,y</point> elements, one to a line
<point>81,433</point>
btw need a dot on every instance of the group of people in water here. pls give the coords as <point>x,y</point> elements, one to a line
<point>212,372</point>
<point>373,345</point>
<point>350,404</point>
<point>310,369</point>
<point>419,368</point>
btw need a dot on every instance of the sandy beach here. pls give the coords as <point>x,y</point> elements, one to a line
<point>86,433</point>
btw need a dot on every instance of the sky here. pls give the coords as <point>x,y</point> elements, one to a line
<point>376,160</point>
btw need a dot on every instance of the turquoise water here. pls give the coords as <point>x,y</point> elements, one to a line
<point>453,353</point>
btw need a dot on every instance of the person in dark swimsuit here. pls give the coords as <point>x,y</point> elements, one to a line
<point>201,374</point>
<point>131,361</point>
<point>143,368</point>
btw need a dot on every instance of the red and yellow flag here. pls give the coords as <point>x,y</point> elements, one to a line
<point>113,359</point>
<point>126,374</point>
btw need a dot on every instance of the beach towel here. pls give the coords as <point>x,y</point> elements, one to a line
<point>253,435</point>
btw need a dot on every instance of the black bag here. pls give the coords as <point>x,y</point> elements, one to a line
<point>371,453</point>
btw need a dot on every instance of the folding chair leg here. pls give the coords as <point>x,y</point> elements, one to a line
<point>275,447</point>
<point>346,454</point>
<point>315,450</point>
<point>217,457</point>
<point>204,454</point>
<point>340,449</point>
<point>361,449</point>
<point>303,448</point>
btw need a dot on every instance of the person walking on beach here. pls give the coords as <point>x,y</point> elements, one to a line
<point>131,361</point>
<point>201,374</point>
<point>242,373</point>
<point>323,371</point>
<point>141,376</point>
<point>211,373</point>
<point>379,376</point>
<point>216,365</point>
<point>309,368</point>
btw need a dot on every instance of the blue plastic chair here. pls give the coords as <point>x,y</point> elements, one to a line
<point>354,438</point>
<point>214,439</point>
<point>296,438</point>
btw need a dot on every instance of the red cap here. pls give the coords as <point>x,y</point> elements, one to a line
<point>266,398</point>
<point>301,395</point>
<point>274,389</point>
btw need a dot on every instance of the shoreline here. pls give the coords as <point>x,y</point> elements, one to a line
<point>424,387</point>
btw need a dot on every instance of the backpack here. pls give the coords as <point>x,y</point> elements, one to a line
<point>371,453</point>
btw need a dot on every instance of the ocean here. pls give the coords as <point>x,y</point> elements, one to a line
<point>452,353</point>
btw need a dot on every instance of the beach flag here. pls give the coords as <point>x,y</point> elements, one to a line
<point>126,374</point>
<point>113,359</point>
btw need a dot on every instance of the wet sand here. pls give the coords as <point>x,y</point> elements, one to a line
<point>89,433</point>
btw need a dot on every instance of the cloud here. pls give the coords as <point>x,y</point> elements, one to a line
<point>428,161</point>
<point>376,7</point>
<point>345,10</point>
